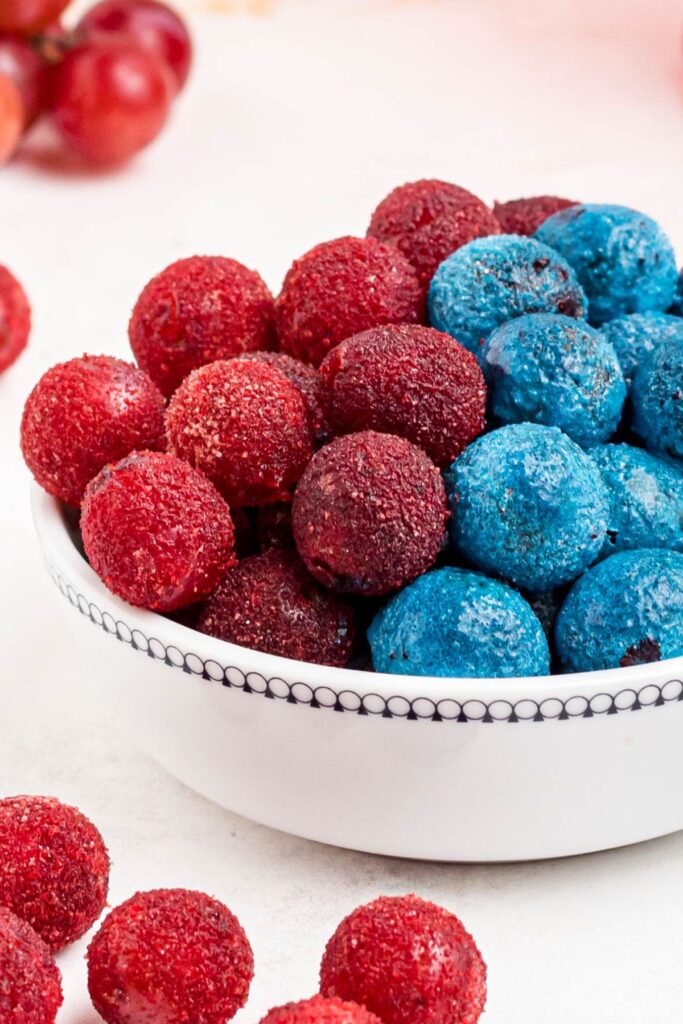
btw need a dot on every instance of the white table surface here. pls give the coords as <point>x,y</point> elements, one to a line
<point>300,116</point>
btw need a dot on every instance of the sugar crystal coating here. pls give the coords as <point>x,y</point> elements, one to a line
<point>15,318</point>
<point>341,288</point>
<point>528,505</point>
<point>83,414</point>
<point>54,867</point>
<point>495,279</point>
<point>369,513</point>
<point>30,982</point>
<point>308,382</point>
<point>269,602</point>
<point>622,258</point>
<point>156,531</point>
<point>407,380</point>
<point>551,369</point>
<point>428,220</point>
<point>319,1010</point>
<point>453,622</point>
<point>245,425</point>
<point>169,956</point>
<point>408,961</point>
<point>525,216</point>
<point>195,311</point>
<point>626,610</point>
<point>657,399</point>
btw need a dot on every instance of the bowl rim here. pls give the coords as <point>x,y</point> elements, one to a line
<point>603,692</point>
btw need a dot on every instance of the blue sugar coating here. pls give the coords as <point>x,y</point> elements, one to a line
<point>635,335</point>
<point>551,369</point>
<point>645,499</point>
<point>454,622</point>
<point>529,505</point>
<point>677,304</point>
<point>657,399</point>
<point>623,259</point>
<point>494,279</point>
<point>627,610</point>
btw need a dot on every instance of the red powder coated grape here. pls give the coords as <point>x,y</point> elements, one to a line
<point>270,603</point>
<point>524,216</point>
<point>152,25</point>
<point>428,220</point>
<point>170,956</point>
<point>196,311</point>
<point>319,1010</point>
<point>30,982</point>
<point>156,531</point>
<point>369,513</point>
<point>245,426</point>
<point>83,414</point>
<point>54,867</point>
<point>408,961</point>
<point>307,379</point>
<point>411,381</point>
<point>15,318</point>
<point>340,288</point>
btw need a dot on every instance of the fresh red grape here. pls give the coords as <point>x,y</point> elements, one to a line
<point>27,69</point>
<point>12,117</point>
<point>111,99</point>
<point>29,15</point>
<point>152,25</point>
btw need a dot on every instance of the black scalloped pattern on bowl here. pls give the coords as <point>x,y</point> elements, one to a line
<point>421,708</point>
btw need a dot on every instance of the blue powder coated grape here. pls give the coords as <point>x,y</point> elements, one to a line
<point>453,622</point>
<point>622,258</point>
<point>529,505</point>
<point>545,368</point>
<point>635,335</point>
<point>627,610</point>
<point>494,279</point>
<point>657,399</point>
<point>645,499</point>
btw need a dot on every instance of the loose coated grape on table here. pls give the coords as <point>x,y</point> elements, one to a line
<point>107,83</point>
<point>452,447</point>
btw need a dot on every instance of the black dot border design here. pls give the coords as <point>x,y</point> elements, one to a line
<point>550,709</point>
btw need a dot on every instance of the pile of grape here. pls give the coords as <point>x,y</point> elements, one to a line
<point>108,83</point>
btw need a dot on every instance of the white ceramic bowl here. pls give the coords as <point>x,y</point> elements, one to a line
<point>443,769</point>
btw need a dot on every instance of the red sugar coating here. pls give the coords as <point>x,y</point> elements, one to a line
<point>307,379</point>
<point>15,318</point>
<point>369,513</point>
<point>196,311</point>
<point>340,288</point>
<point>428,220</point>
<point>411,381</point>
<point>156,531</point>
<point>244,425</point>
<point>54,867</point>
<point>408,961</point>
<point>319,1010</point>
<point>270,603</point>
<point>83,414</point>
<point>169,956</point>
<point>524,216</point>
<point>30,982</point>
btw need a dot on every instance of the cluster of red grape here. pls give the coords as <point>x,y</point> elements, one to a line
<point>108,83</point>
